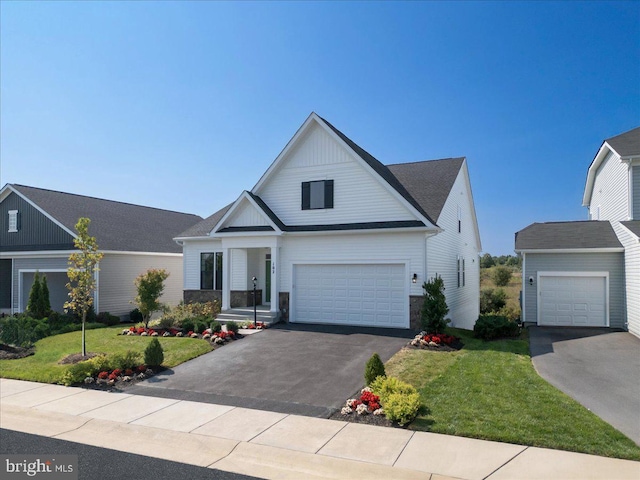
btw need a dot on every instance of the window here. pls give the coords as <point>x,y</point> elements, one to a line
<point>13,221</point>
<point>317,194</point>
<point>461,271</point>
<point>211,271</point>
<point>459,219</point>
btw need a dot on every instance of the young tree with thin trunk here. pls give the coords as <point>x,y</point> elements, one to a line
<point>150,286</point>
<point>81,272</point>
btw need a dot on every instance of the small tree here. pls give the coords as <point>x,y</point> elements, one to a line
<point>34,296</point>
<point>81,272</point>
<point>486,261</point>
<point>150,286</point>
<point>44,304</point>
<point>502,276</point>
<point>153,354</point>
<point>434,308</point>
<point>374,369</point>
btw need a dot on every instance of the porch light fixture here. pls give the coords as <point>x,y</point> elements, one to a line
<point>531,280</point>
<point>414,279</point>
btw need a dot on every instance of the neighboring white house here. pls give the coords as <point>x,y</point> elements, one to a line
<point>37,229</point>
<point>588,273</point>
<point>334,236</point>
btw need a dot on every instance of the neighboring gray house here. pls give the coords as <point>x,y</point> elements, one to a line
<point>334,236</point>
<point>587,273</point>
<point>37,229</point>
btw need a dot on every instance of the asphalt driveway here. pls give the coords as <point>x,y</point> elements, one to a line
<point>597,367</point>
<point>290,368</point>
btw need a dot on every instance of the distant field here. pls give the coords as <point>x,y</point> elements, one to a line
<point>512,290</point>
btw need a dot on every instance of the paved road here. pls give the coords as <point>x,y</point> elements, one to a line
<point>290,368</point>
<point>597,367</point>
<point>104,464</point>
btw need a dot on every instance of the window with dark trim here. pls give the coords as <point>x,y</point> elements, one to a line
<point>460,267</point>
<point>211,271</point>
<point>459,219</point>
<point>317,195</point>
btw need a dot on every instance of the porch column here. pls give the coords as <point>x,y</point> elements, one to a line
<point>275,286</point>
<point>226,279</point>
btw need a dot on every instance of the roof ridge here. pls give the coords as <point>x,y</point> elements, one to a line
<point>102,199</point>
<point>426,161</point>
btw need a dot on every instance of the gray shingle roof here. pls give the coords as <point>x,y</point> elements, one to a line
<point>626,144</point>
<point>429,182</point>
<point>203,228</point>
<point>567,235</point>
<point>634,226</point>
<point>117,226</point>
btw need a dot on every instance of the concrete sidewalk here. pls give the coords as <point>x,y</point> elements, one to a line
<point>276,445</point>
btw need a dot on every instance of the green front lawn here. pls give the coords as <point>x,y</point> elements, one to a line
<point>44,366</point>
<point>490,390</point>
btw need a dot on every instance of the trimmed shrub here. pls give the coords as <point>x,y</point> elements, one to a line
<point>434,308</point>
<point>216,327</point>
<point>373,369</point>
<point>385,386</point>
<point>77,372</point>
<point>402,408</point>
<point>108,319</point>
<point>501,276</point>
<point>492,300</point>
<point>135,316</point>
<point>125,361</point>
<point>153,354</point>
<point>23,330</point>
<point>232,326</point>
<point>489,327</point>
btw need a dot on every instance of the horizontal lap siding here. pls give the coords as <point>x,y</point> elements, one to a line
<point>191,258</point>
<point>636,191</point>
<point>118,273</point>
<point>610,190</point>
<point>442,253</point>
<point>578,262</point>
<point>319,157</point>
<point>354,249</point>
<point>632,275</point>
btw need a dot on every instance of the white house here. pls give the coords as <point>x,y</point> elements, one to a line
<point>588,273</point>
<point>334,236</point>
<point>37,229</point>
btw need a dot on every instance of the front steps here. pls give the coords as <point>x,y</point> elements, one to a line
<point>245,314</point>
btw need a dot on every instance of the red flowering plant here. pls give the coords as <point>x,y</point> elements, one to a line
<point>367,402</point>
<point>128,372</point>
<point>141,368</point>
<point>113,377</point>
<point>103,375</point>
<point>433,340</point>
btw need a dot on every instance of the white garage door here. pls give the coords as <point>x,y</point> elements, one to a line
<point>573,300</point>
<point>368,295</point>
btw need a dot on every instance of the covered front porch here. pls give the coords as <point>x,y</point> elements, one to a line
<point>243,260</point>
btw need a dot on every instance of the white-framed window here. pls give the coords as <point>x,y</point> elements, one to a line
<point>13,221</point>
<point>211,271</point>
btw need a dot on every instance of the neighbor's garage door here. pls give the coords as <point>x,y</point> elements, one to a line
<point>573,300</point>
<point>368,295</point>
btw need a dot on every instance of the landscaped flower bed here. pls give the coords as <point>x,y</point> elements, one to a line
<point>112,378</point>
<point>216,338</point>
<point>436,341</point>
<point>367,403</point>
<point>256,326</point>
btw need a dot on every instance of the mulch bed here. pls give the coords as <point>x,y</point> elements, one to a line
<point>76,357</point>
<point>7,352</point>
<point>454,347</point>
<point>368,419</point>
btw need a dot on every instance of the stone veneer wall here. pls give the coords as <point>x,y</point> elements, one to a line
<point>239,298</point>
<point>415,311</point>
<point>283,306</point>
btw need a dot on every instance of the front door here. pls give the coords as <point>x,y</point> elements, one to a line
<point>267,280</point>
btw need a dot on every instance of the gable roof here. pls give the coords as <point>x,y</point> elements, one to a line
<point>424,185</point>
<point>117,226</point>
<point>633,226</point>
<point>626,146</point>
<point>568,236</point>
<point>428,182</point>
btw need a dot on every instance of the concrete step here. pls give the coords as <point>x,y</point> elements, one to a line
<point>246,315</point>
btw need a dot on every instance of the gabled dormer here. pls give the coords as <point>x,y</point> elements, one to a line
<point>612,190</point>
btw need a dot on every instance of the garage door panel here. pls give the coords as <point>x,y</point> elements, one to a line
<point>372,295</point>
<point>572,300</point>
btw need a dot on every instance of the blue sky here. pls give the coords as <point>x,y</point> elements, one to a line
<point>184,105</point>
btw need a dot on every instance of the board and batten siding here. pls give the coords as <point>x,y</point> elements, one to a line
<point>443,251</point>
<point>635,189</point>
<point>577,262</point>
<point>116,288</point>
<point>369,248</point>
<point>191,258</point>
<point>610,190</point>
<point>36,232</point>
<point>632,275</point>
<point>318,156</point>
<point>43,265</point>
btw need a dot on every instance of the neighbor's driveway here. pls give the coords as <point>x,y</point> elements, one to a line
<point>597,367</point>
<point>290,368</point>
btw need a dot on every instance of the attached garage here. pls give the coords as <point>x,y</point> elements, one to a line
<point>57,284</point>
<point>573,299</point>
<point>373,295</point>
